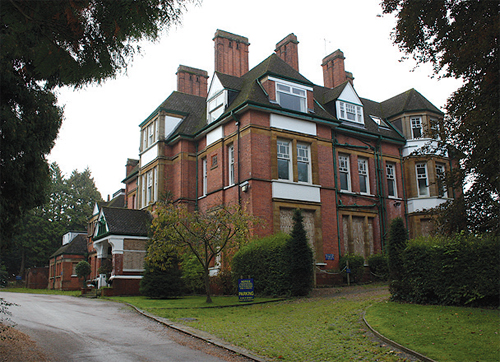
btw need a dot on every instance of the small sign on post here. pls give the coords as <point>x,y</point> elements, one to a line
<point>245,290</point>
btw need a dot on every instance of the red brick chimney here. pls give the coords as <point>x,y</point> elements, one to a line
<point>192,81</point>
<point>334,72</point>
<point>131,163</point>
<point>287,49</point>
<point>231,53</point>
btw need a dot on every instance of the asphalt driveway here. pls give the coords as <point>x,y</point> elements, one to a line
<point>79,329</point>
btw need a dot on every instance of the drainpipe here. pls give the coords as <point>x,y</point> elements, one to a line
<point>405,201</point>
<point>380,189</point>
<point>197,178</point>
<point>334,142</point>
<point>238,179</point>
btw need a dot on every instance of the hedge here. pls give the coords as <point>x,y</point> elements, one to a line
<point>356,265</point>
<point>264,260</point>
<point>462,270</point>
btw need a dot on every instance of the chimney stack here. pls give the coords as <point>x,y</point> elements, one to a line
<point>231,53</point>
<point>192,81</point>
<point>287,49</point>
<point>334,72</point>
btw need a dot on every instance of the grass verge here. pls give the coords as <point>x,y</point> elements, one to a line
<point>309,329</point>
<point>42,291</point>
<point>188,302</point>
<point>440,332</point>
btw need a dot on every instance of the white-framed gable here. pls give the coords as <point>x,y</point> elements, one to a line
<point>349,106</point>
<point>216,99</point>
<point>101,226</point>
<point>215,87</point>
<point>350,95</point>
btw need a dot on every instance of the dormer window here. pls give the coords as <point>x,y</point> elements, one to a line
<point>216,106</point>
<point>291,97</point>
<point>350,112</point>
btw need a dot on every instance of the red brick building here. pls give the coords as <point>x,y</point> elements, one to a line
<point>271,140</point>
<point>62,263</point>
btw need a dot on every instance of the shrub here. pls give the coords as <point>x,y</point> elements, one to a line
<point>378,266</point>
<point>356,265</point>
<point>82,270</point>
<point>162,282</point>
<point>264,260</point>
<point>460,270</point>
<point>300,258</point>
<point>398,239</point>
<point>192,274</point>
<point>224,281</point>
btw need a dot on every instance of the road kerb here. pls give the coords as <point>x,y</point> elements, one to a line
<point>207,337</point>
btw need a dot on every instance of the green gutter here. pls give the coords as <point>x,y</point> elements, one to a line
<point>405,201</point>
<point>334,141</point>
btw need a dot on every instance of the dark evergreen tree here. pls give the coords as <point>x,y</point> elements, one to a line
<point>398,240</point>
<point>300,258</point>
<point>49,44</point>
<point>70,203</point>
<point>461,40</point>
<point>162,281</point>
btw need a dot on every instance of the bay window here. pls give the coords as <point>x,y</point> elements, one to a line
<point>422,181</point>
<point>416,127</point>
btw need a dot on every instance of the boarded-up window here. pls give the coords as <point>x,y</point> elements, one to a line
<point>358,235</point>
<point>286,223</point>
<point>133,254</point>
<point>426,227</point>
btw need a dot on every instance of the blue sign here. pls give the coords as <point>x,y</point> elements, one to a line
<point>329,256</point>
<point>245,290</point>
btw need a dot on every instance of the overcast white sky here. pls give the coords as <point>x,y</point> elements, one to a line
<point>101,125</point>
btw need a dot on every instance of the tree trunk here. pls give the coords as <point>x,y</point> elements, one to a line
<point>207,286</point>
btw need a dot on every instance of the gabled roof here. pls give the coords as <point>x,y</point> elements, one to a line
<point>121,221</point>
<point>248,89</point>
<point>408,101</point>
<point>77,246</point>
<point>252,92</point>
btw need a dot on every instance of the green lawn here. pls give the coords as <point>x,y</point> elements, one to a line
<point>438,332</point>
<point>187,302</point>
<point>42,291</point>
<point>323,329</point>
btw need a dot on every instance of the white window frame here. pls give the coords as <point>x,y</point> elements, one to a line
<point>416,123</point>
<point>422,177</point>
<point>440,181</point>
<point>344,168</point>
<point>346,108</point>
<point>285,145</point>
<point>304,157</point>
<point>390,174</point>
<point>291,90</point>
<point>230,160</point>
<point>150,175</point>
<point>204,176</point>
<point>363,173</point>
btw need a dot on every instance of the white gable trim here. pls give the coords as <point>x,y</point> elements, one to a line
<point>215,87</point>
<point>349,95</point>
